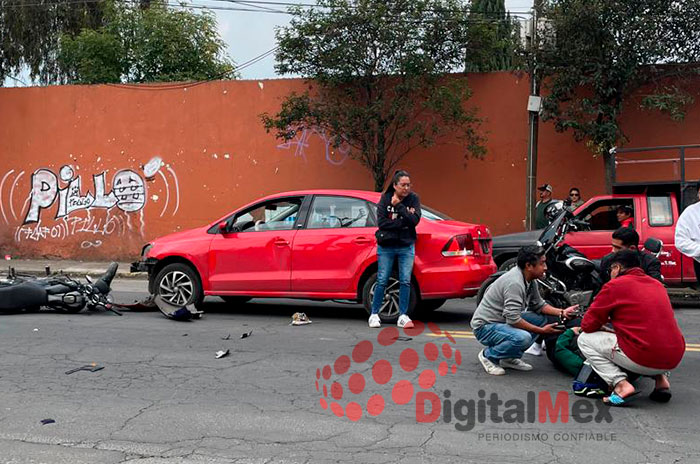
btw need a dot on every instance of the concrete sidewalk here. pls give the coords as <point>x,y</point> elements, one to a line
<point>71,268</point>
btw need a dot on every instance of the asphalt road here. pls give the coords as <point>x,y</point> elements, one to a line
<point>163,397</point>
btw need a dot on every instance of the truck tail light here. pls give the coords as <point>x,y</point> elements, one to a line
<point>459,245</point>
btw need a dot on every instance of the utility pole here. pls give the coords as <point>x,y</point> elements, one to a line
<point>533,108</point>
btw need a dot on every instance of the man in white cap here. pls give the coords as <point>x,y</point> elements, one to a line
<point>541,220</point>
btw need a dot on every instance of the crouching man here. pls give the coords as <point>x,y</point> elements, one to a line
<point>646,338</point>
<point>501,322</point>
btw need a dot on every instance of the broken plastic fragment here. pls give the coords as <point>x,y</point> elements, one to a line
<point>247,334</point>
<point>221,353</point>
<point>47,421</point>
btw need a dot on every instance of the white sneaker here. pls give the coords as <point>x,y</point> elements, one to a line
<point>404,322</point>
<point>374,321</point>
<point>490,367</point>
<point>517,364</point>
<point>535,349</point>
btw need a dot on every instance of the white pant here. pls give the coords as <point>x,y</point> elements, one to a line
<point>607,359</point>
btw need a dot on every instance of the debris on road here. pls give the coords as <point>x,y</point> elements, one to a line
<point>246,334</point>
<point>227,337</point>
<point>88,367</point>
<point>221,353</point>
<point>300,319</point>
<point>403,339</point>
<point>47,421</point>
<point>178,313</point>
<point>148,304</point>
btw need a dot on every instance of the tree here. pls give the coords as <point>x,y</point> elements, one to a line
<point>30,31</point>
<point>597,54</point>
<point>380,78</point>
<point>493,38</point>
<point>148,42</point>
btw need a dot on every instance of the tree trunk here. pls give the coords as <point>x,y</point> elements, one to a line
<point>379,178</point>
<point>609,166</point>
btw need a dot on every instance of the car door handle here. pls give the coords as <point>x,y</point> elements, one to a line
<point>362,240</point>
<point>281,242</point>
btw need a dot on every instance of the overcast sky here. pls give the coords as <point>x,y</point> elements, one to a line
<point>249,34</point>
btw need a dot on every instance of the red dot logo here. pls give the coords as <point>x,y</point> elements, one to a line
<point>396,374</point>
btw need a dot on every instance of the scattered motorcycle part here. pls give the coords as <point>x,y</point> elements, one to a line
<point>88,367</point>
<point>221,353</point>
<point>247,334</point>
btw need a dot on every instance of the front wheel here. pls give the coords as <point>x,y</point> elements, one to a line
<point>389,310</point>
<point>178,285</point>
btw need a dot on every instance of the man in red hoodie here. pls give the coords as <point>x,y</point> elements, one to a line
<point>646,338</point>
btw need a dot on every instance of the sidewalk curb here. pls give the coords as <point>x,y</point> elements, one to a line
<point>77,273</point>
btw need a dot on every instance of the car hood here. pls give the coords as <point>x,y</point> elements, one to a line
<point>516,240</point>
<point>178,236</point>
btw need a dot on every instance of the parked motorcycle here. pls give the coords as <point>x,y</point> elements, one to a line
<point>59,292</point>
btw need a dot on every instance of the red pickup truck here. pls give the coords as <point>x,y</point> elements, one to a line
<point>656,205</point>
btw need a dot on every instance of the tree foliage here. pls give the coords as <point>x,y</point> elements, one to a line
<point>30,32</point>
<point>379,70</point>
<point>598,53</point>
<point>145,44</point>
<point>493,38</point>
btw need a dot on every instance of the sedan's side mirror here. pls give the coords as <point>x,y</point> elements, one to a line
<point>223,227</point>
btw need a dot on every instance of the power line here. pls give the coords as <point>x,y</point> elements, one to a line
<point>182,85</point>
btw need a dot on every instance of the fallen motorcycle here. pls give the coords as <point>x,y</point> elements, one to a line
<point>19,293</point>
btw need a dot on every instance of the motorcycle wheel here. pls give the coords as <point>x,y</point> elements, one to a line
<point>484,286</point>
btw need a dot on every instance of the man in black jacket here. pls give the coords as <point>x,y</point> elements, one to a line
<point>626,238</point>
<point>398,214</point>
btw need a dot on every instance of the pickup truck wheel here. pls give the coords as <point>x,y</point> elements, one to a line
<point>508,264</point>
<point>484,286</point>
<point>389,311</point>
<point>178,285</point>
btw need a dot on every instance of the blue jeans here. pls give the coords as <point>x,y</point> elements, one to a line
<point>385,261</point>
<point>503,341</point>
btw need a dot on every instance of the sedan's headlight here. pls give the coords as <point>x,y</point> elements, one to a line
<point>146,249</point>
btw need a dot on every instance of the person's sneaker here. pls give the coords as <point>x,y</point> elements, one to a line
<point>490,367</point>
<point>534,350</point>
<point>374,321</point>
<point>404,322</point>
<point>517,364</point>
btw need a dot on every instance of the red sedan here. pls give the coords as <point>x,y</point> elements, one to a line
<point>314,244</point>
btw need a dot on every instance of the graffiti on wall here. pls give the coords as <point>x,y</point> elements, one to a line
<point>97,210</point>
<point>334,155</point>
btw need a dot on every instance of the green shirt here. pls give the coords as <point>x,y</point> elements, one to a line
<point>540,220</point>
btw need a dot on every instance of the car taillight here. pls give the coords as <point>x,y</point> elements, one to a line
<point>459,245</point>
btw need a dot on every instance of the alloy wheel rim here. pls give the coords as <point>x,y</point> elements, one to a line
<point>390,305</point>
<point>176,288</point>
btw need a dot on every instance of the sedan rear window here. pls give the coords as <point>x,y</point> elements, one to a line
<point>433,214</point>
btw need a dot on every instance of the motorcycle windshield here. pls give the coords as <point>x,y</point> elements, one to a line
<point>550,232</point>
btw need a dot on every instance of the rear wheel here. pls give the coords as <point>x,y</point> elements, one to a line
<point>389,310</point>
<point>178,285</point>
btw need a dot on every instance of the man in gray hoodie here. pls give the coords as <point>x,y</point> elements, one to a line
<point>512,314</point>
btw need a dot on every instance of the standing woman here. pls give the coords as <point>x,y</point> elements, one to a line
<point>398,214</point>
